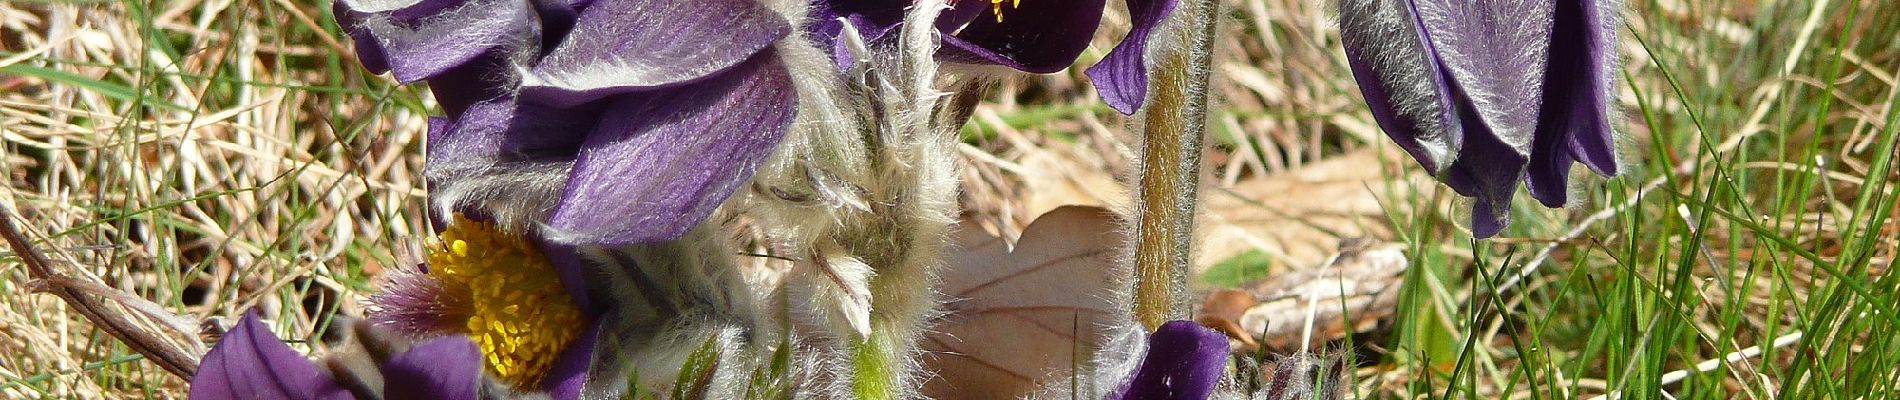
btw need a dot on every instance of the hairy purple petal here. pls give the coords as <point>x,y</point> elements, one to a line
<point>1399,74</point>
<point>620,46</point>
<point>660,162</point>
<point>252,364</point>
<point>1042,36</point>
<point>1495,52</point>
<point>1184,361</point>
<point>430,37</point>
<point>1122,75</point>
<point>503,130</point>
<point>446,368</point>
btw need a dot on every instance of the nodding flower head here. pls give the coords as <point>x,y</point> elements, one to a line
<point>1489,93</point>
<point>1038,36</point>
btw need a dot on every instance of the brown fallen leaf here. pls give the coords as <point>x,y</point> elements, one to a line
<point>1222,309</point>
<point>1296,217</point>
<point>1016,320</point>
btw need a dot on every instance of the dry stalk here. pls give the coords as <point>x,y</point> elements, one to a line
<point>167,354</point>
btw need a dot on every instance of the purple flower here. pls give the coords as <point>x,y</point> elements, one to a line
<point>653,112</point>
<point>1488,93</point>
<point>249,363</point>
<point>1185,361</point>
<point>1039,36</point>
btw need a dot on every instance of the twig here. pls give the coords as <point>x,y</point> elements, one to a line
<point>167,355</point>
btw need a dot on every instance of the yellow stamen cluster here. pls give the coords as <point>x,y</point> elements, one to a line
<point>997,7</point>
<point>521,317</point>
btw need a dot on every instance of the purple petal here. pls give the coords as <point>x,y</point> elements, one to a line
<point>1547,175</point>
<point>873,19</point>
<point>569,372</point>
<point>1401,79</point>
<point>1487,170</point>
<point>571,268</point>
<point>502,130</point>
<point>1041,36</point>
<point>660,162</point>
<point>1574,123</point>
<point>1578,90</point>
<point>621,46</point>
<point>481,79</point>
<point>1122,75</point>
<point>557,19</point>
<point>1495,52</point>
<point>961,13</point>
<point>252,364</point>
<point>429,38</point>
<point>1184,361</point>
<point>446,368</point>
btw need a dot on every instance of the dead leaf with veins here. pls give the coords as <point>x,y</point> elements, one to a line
<point>1017,319</point>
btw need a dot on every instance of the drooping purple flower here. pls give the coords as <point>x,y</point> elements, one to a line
<point>1184,361</point>
<point>250,363</point>
<point>1038,36</point>
<point>1485,94</point>
<point>653,111</point>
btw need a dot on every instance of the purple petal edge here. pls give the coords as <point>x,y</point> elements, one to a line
<point>1039,37</point>
<point>1122,76</point>
<point>661,162</point>
<point>1185,361</point>
<point>1574,122</point>
<point>622,46</point>
<point>1404,84</point>
<point>1590,27</point>
<point>251,363</point>
<point>446,368</point>
<point>429,38</point>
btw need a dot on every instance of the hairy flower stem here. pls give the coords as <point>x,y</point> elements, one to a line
<point>1173,127</point>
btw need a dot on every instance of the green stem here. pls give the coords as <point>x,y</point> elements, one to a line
<point>1174,127</point>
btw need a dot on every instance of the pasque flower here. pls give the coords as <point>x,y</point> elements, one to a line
<point>1487,93</point>
<point>653,112</point>
<point>1039,36</point>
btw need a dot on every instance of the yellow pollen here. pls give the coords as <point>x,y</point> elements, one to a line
<point>522,317</point>
<point>997,7</point>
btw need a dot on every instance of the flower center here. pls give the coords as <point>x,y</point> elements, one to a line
<point>996,7</point>
<point>521,317</point>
